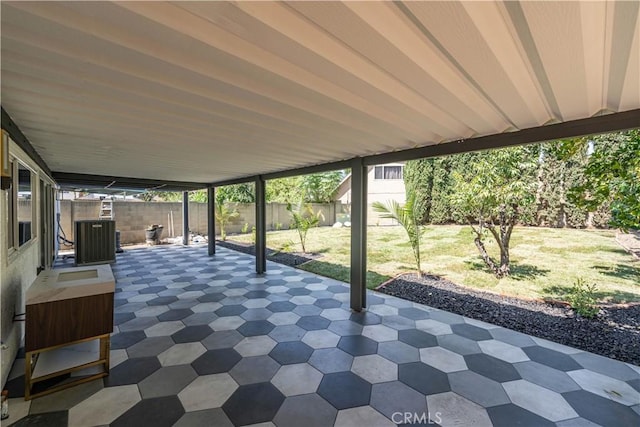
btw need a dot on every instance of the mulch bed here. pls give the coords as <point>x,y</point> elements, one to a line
<point>614,333</point>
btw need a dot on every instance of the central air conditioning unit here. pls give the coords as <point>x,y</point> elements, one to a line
<point>95,242</point>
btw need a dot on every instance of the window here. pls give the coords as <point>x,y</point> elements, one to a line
<point>388,172</point>
<point>11,211</point>
<point>24,206</point>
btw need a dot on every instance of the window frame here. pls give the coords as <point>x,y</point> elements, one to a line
<point>383,172</point>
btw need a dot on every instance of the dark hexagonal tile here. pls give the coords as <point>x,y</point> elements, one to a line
<point>126,339</point>
<point>213,297</point>
<point>417,338</point>
<point>328,303</point>
<point>313,279</point>
<point>120,318</point>
<point>185,279</point>
<point>265,400</point>
<point>222,339</point>
<point>423,378</point>
<point>177,314</point>
<point>472,332</point>
<point>152,290</point>
<point>157,412</point>
<point>345,327</point>
<point>313,323</point>
<point>414,313</point>
<point>196,286</point>
<point>192,334</point>
<point>365,318</point>
<point>491,367</point>
<point>231,310</point>
<point>551,358</point>
<point>256,327</point>
<point>281,306</point>
<point>510,415</point>
<point>338,289</point>
<point>132,371</point>
<point>216,361</point>
<point>146,281</point>
<point>257,294</point>
<point>162,300</point>
<point>307,310</point>
<point>357,345</point>
<point>275,282</point>
<point>298,291</point>
<point>345,390</point>
<point>288,353</point>
<point>601,411</point>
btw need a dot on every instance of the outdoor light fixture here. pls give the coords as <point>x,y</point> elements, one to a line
<point>5,170</point>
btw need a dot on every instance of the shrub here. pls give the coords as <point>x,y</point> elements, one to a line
<point>582,298</point>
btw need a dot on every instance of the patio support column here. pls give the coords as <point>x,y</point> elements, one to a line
<point>261,226</point>
<point>211,220</point>
<point>358,235</point>
<point>185,217</point>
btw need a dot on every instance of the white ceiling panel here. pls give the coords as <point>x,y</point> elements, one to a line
<point>210,91</point>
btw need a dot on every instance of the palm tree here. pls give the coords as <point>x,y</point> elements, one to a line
<point>406,216</point>
<point>224,215</point>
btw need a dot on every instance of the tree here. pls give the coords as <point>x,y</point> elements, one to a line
<point>302,219</point>
<point>418,180</point>
<point>612,175</point>
<point>320,187</point>
<point>489,198</point>
<point>238,193</point>
<point>224,215</point>
<point>407,216</point>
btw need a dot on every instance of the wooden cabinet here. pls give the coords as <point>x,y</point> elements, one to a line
<point>66,310</point>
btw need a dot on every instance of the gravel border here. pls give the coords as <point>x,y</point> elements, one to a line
<point>614,333</point>
<point>286,258</point>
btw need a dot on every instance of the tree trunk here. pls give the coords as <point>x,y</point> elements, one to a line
<point>485,256</point>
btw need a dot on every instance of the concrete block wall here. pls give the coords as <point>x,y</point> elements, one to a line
<point>132,218</point>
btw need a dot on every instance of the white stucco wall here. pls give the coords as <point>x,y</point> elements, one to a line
<point>18,268</point>
<point>378,190</point>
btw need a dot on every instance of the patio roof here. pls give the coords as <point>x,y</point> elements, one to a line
<point>205,92</point>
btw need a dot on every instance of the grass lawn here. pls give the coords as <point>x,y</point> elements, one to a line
<point>545,262</point>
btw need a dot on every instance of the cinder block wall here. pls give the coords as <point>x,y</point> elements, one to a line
<point>132,218</point>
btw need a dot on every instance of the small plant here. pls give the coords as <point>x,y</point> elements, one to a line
<point>253,234</point>
<point>278,226</point>
<point>406,215</point>
<point>302,219</point>
<point>224,215</point>
<point>582,298</point>
<point>245,228</point>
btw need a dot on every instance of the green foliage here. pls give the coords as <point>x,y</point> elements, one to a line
<point>245,228</point>
<point>302,219</point>
<point>612,175</point>
<point>321,187</point>
<point>555,176</point>
<point>224,215</point>
<point>238,193</point>
<point>582,298</point>
<point>407,216</point>
<point>490,195</point>
<point>418,180</point>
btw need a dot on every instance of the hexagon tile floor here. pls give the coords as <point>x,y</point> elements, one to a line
<point>203,341</point>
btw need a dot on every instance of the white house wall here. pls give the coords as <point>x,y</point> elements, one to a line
<point>18,267</point>
<point>378,190</point>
